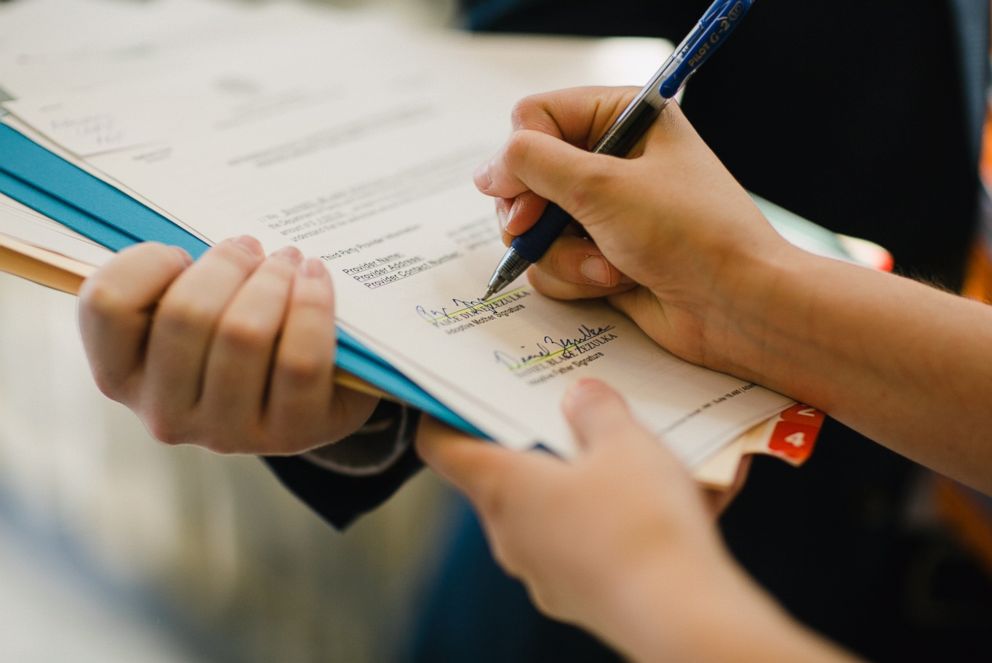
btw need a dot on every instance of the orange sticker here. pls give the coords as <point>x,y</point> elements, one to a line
<point>795,433</point>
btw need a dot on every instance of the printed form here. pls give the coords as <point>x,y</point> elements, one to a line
<point>370,168</point>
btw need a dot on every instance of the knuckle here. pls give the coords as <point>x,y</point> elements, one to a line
<point>101,298</point>
<point>548,601</point>
<point>185,316</point>
<point>517,149</point>
<point>303,370</point>
<point>492,501</point>
<point>505,559</point>
<point>109,385</point>
<point>243,335</point>
<point>233,254</point>
<point>524,110</point>
<point>316,299</point>
<point>279,270</point>
<point>164,429</point>
<point>595,183</point>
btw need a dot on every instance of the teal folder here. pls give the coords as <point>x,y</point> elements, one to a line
<point>52,186</point>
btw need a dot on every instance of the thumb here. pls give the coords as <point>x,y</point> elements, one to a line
<point>600,419</point>
<point>550,167</point>
<point>483,472</point>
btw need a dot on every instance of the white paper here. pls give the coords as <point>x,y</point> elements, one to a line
<point>26,225</point>
<point>369,166</point>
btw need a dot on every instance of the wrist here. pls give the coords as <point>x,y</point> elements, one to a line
<point>753,288</point>
<point>709,612</point>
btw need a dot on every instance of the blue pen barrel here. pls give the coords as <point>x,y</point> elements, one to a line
<point>716,25</point>
<point>534,243</point>
<point>618,141</point>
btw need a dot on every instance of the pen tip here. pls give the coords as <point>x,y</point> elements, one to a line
<point>489,293</point>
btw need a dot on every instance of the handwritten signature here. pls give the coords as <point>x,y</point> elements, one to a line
<point>463,309</point>
<point>457,308</point>
<point>565,347</point>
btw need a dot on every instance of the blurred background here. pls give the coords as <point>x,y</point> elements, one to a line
<point>114,547</point>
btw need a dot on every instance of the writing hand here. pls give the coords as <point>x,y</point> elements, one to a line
<point>670,232</point>
<point>234,353</point>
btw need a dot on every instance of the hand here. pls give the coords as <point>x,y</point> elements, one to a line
<point>717,500</point>
<point>234,353</point>
<point>671,234</point>
<point>617,541</point>
<point>621,529</point>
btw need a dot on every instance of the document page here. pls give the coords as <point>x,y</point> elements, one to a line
<point>376,180</point>
<point>25,225</point>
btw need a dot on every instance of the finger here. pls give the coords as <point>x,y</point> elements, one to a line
<point>524,212</point>
<point>579,261</point>
<point>503,206</point>
<point>600,419</point>
<point>115,306</point>
<point>521,213</point>
<point>480,470</point>
<point>551,286</point>
<point>551,168</point>
<point>578,115</point>
<point>241,351</point>
<point>183,326</point>
<point>304,408</point>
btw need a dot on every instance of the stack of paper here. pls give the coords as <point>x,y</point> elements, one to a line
<point>353,138</point>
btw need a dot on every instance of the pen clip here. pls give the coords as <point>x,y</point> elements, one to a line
<point>716,25</point>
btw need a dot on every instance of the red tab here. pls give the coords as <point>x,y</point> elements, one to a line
<point>803,415</point>
<point>792,442</point>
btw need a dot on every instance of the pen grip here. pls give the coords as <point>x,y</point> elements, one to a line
<point>533,244</point>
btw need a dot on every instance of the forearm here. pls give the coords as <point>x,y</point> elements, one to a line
<point>904,363</point>
<point>720,617</point>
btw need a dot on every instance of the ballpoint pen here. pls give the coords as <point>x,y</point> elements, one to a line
<point>709,33</point>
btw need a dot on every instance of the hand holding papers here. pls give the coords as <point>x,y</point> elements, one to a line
<point>234,353</point>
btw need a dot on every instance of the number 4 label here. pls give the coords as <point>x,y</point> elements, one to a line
<point>797,439</point>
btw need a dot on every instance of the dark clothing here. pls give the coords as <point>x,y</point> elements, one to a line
<point>344,492</point>
<point>341,498</point>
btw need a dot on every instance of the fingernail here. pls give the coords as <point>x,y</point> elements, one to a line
<point>511,215</point>
<point>250,244</point>
<point>483,180</point>
<point>502,209</point>
<point>289,254</point>
<point>184,255</point>
<point>314,268</point>
<point>595,270</point>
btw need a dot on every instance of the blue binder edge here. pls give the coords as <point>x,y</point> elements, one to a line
<point>52,186</point>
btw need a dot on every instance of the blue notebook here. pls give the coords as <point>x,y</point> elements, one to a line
<point>52,186</point>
